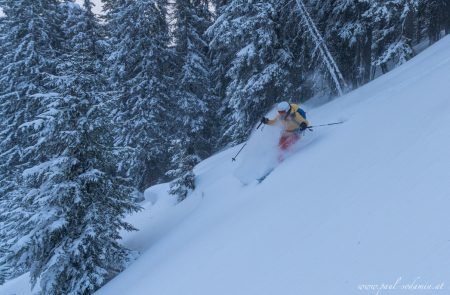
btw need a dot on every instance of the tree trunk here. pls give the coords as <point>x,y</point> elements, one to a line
<point>367,56</point>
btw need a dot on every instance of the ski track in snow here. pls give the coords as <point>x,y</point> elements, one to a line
<point>365,202</point>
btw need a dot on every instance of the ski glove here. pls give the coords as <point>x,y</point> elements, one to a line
<point>264,120</point>
<point>303,126</point>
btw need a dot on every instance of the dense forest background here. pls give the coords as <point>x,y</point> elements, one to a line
<point>94,109</point>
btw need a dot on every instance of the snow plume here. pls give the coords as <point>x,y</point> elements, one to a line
<point>260,155</point>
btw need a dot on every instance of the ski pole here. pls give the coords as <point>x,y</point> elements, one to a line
<point>234,158</point>
<point>259,125</point>
<point>323,125</point>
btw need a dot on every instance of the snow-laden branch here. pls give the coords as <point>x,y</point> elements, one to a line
<point>325,54</point>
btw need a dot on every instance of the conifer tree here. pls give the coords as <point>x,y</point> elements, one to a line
<point>193,135</point>
<point>348,32</point>
<point>141,69</point>
<point>3,168</point>
<point>435,17</point>
<point>30,43</point>
<point>69,208</point>
<point>184,160</point>
<point>368,35</point>
<point>246,48</point>
<point>393,22</point>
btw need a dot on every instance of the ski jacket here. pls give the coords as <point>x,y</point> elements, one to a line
<point>290,121</point>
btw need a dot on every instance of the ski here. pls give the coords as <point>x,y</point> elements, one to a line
<point>261,179</point>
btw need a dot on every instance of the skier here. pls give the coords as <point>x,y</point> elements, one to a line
<point>294,122</point>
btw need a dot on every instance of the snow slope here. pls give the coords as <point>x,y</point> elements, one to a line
<point>359,208</point>
<point>364,203</point>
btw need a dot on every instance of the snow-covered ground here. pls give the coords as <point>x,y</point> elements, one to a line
<point>359,208</point>
<point>362,203</point>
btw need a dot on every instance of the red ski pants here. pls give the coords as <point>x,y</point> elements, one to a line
<point>287,139</point>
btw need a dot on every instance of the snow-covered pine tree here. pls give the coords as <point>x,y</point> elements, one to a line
<point>367,35</point>
<point>219,58</point>
<point>70,209</point>
<point>183,162</point>
<point>348,32</point>
<point>3,169</point>
<point>435,18</point>
<point>320,46</point>
<point>293,35</point>
<point>141,68</point>
<point>193,135</point>
<point>393,22</point>
<point>246,48</point>
<point>30,40</point>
